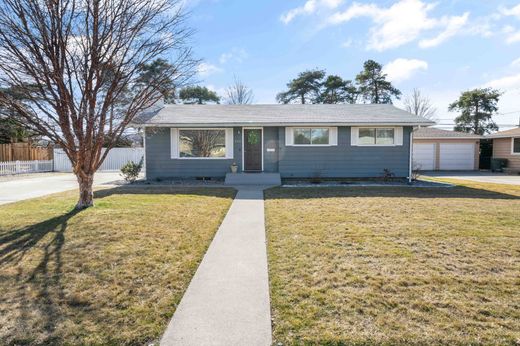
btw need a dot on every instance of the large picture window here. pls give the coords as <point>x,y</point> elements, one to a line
<point>201,143</point>
<point>516,145</point>
<point>311,136</point>
<point>376,136</point>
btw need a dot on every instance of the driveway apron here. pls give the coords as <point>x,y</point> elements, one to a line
<point>227,301</point>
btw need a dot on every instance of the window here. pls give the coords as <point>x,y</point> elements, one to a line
<point>311,136</point>
<point>376,136</point>
<point>202,143</point>
<point>516,145</point>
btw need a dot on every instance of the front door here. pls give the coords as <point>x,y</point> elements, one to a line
<point>253,150</point>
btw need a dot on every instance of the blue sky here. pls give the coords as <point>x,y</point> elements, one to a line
<point>440,47</point>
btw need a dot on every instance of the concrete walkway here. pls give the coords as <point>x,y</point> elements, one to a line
<point>227,301</point>
<point>481,177</point>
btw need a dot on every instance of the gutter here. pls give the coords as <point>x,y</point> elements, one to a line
<point>278,124</point>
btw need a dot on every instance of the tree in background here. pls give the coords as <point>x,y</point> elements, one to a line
<point>338,90</point>
<point>373,86</point>
<point>12,127</point>
<point>198,95</point>
<point>150,72</point>
<point>419,104</point>
<point>238,93</point>
<point>80,58</point>
<point>477,107</point>
<point>306,88</point>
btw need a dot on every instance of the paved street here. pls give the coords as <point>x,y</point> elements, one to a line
<point>14,189</point>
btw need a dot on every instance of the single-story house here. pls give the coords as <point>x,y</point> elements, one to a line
<point>436,149</point>
<point>506,145</point>
<point>291,141</point>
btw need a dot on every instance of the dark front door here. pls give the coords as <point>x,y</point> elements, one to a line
<point>252,149</point>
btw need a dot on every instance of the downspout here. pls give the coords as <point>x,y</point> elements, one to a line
<point>144,151</point>
<point>411,156</point>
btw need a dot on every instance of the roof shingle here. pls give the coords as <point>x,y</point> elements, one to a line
<point>243,115</point>
<point>434,133</point>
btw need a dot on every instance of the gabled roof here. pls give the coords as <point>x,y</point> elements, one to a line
<point>279,115</point>
<point>433,133</point>
<point>508,133</point>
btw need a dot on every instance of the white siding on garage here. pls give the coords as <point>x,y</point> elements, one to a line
<point>457,156</point>
<point>424,156</point>
<point>116,158</point>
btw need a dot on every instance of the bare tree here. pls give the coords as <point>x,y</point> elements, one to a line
<point>238,93</point>
<point>77,64</point>
<point>419,104</point>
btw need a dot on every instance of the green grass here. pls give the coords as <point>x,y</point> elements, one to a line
<point>388,266</point>
<point>112,274</point>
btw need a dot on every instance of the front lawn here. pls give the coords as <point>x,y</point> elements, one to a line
<point>385,266</point>
<point>111,274</point>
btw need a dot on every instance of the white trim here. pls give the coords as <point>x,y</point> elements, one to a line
<point>513,145</point>
<point>144,152</point>
<point>262,151</point>
<point>410,157</point>
<point>174,143</point>
<point>398,136</point>
<point>175,148</point>
<point>449,138</point>
<point>289,136</point>
<point>282,124</point>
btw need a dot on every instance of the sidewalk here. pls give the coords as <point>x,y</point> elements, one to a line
<point>227,301</point>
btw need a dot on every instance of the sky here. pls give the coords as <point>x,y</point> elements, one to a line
<point>441,47</point>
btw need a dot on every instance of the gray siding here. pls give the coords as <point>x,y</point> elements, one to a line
<point>271,142</point>
<point>159,163</point>
<point>343,160</point>
<point>338,161</point>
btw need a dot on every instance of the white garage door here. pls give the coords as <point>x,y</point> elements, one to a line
<point>457,156</point>
<point>424,156</point>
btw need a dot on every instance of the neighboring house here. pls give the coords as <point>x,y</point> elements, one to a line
<point>436,149</point>
<point>294,141</point>
<point>506,145</point>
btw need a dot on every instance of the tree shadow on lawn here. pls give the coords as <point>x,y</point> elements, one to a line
<point>43,283</point>
<point>31,260</point>
<point>384,191</point>
<point>219,191</point>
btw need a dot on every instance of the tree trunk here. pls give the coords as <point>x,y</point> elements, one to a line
<point>86,195</point>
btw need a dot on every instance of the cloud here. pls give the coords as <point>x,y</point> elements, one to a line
<point>310,7</point>
<point>237,55</point>
<point>401,23</point>
<point>205,69</point>
<point>402,69</point>
<point>513,11</point>
<point>515,62</point>
<point>453,27</point>
<point>347,43</point>
<point>505,83</point>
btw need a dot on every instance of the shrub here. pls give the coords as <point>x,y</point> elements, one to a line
<point>388,175</point>
<point>131,170</point>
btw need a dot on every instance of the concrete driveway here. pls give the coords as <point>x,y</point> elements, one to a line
<point>14,189</point>
<point>481,177</point>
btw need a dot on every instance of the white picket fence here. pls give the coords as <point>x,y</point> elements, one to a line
<point>116,158</point>
<point>21,167</point>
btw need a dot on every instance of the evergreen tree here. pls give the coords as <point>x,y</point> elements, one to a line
<point>306,88</point>
<point>373,86</point>
<point>477,107</point>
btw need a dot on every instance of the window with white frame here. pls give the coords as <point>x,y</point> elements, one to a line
<point>516,145</point>
<point>202,143</point>
<point>376,136</point>
<point>311,136</point>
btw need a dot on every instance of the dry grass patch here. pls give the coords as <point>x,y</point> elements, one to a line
<point>111,274</point>
<point>384,266</point>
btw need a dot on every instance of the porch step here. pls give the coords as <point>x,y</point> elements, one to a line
<point>253,179</point>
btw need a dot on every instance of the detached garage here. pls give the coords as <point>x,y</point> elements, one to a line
<point>442,150</point>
